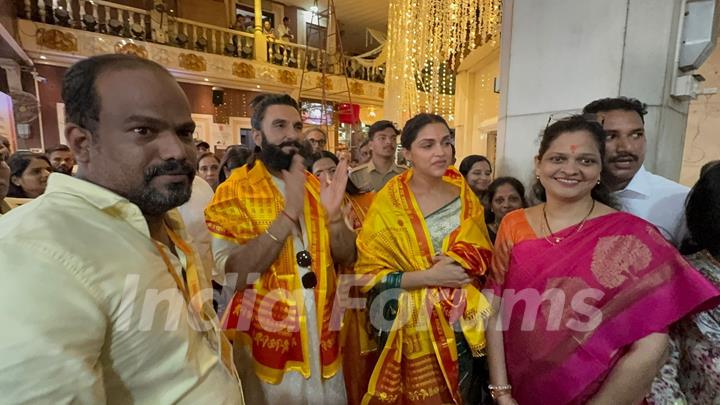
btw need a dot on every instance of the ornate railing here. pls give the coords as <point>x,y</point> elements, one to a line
<point>152,26</point>
<point>135,23</point>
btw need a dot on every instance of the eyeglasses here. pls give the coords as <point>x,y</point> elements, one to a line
<point>589,117</point>
<point>321,142</point>
<point>303,258</point>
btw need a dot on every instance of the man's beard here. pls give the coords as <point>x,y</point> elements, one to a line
<point>154,201</point>
<point>64,170</point>
<point>275,158</point>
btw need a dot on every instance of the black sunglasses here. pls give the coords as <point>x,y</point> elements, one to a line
<point>309,280</point>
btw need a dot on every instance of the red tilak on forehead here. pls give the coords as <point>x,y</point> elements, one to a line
<point>573,148</point>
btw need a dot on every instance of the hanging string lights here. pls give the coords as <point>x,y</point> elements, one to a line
<point>427,40</point>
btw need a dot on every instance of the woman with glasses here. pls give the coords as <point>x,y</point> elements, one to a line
<point>425,248</point>
<point>316,139</point>
<point>599,287</point>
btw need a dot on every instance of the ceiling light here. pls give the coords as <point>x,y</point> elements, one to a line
<point>258,86</point>
<point>43,57</point>
<point>206,79</point>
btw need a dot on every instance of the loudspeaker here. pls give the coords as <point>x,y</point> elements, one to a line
<point>217,95</point>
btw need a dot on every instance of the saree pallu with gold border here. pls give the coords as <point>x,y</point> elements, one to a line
<point>269,316</point>
<point>418,363</point>
<point>359,350</point>
<point>574,308</point>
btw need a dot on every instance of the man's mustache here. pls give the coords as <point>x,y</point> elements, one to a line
<point>295,144</point>
<point>170,167</point>
<point>624,156</point>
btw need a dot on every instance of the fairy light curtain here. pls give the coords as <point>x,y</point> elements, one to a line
<point>427,40</point>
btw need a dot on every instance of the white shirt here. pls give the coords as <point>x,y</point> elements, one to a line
<point>294,388</point>
<point>193,214</point>
<point>657,200</point>
<point>86,316</point>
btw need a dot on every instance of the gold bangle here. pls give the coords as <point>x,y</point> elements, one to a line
<point>497,391</point>
<point>273,237</point>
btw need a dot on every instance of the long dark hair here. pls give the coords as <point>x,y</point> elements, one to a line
<point>18,162</point>
<point>601,192</point>
<point>702,212</point>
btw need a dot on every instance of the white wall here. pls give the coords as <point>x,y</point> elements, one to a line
<point>558,55</point>
<point>476,103</point>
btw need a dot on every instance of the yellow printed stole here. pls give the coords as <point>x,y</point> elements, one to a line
<point>269,316</point>
<point>419,361</point>
<point>193,285</point>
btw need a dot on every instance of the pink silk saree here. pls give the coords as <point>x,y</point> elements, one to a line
<point>591,296</point>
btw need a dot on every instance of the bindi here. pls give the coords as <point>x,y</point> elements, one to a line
<point>573,148</point>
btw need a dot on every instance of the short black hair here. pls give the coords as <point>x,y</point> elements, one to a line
<point>364,143</point>
<point>202,144</point>
<point>57,148</point>
<point>702,211</point>
<point>617,103</point>
<point>469,161</point>
<point>82,102</point>
<point>261,103</point>
<point>379,126</point>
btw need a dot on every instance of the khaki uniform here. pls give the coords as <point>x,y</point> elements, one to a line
<point>367,178</point>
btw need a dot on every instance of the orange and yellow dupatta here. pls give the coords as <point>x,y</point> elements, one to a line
<point>270,316</point>
<point>419,361</point>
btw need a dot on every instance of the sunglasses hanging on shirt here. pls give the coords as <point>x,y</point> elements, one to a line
<point>304,259</point>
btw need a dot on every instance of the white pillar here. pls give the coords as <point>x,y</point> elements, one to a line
<point>558,55</point>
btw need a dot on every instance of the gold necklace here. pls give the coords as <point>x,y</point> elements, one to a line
<point>559,239</point>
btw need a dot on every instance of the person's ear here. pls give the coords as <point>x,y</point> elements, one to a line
<point>257,137</point>
<point>79,140</point>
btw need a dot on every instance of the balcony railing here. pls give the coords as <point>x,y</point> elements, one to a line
<point>152,26</point>
<point>144,25</point>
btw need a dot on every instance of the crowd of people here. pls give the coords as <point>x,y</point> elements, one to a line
<point>143,267</point>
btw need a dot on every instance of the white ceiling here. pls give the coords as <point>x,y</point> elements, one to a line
<point>354,16</point>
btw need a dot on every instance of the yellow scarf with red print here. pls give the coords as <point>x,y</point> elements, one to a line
<point>270,316</point>
<point>419,363</point>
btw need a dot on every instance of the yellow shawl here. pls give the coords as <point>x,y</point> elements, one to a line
<point>266,316</point>
<point>419,360</point>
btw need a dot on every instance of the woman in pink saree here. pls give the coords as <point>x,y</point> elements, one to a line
<point>588,292</point>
